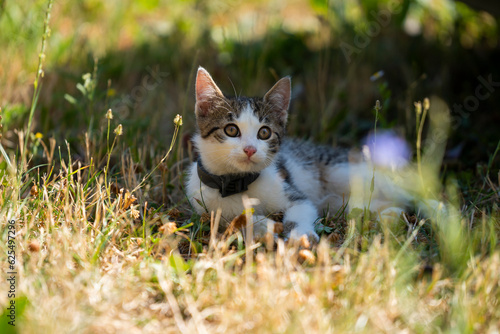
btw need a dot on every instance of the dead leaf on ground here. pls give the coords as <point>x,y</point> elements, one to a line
<point>237,223</point>
<point>127,200</point>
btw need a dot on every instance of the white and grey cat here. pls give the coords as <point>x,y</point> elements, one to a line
<point>243,151</point>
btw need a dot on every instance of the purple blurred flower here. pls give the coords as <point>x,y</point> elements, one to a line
<point>387,149</point>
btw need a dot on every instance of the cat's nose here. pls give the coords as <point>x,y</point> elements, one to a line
<point>250,150</point>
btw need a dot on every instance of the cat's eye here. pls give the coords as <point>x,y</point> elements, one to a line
<point>264,133</point>
<point>232,130</point>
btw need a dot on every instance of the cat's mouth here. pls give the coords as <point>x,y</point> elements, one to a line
<point>247,161</point>
<point>247,164</point>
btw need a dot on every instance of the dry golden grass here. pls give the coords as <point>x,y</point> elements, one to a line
<point>84,266</point>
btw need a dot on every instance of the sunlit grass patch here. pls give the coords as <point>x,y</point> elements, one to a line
<point>93,257</point>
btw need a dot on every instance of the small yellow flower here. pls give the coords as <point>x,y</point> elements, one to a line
<point>178,120</point>
<point>109,114</point>
<point>111,92</point>
<point>119,130</point>
<point>38,135</point>
<point>252,211</point>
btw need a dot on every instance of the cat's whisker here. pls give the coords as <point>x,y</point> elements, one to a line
<point>234,88</point>
<point>223,99</point>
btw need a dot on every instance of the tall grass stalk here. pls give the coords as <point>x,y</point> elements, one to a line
<point>109,150</point>
<point>421,115</point>
<point>2,150</point>
<point>372,184</point>
<point>177,124</point>
<point>38,77</point>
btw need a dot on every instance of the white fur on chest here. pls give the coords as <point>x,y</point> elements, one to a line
<point>268,189</point>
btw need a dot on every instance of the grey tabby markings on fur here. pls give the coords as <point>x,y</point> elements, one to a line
<point>314,157</point>
<point>225,110</point>
<point>296,177</point>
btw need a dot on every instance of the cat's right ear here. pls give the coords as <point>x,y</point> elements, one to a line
<point>206,92</point>
<point>278,97</point>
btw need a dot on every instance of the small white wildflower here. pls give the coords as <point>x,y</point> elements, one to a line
<point>418,107</point>
<point>109,114</point>
<point>87,81</point>
<point>135,213</point>
<point>427,104</point>
<point>178,120</point>
<point>119,130</point>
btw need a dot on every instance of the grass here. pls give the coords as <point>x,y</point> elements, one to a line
<point>105,238</point>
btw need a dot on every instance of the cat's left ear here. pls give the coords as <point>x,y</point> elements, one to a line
<point>279,97</point>
<point>206,92</point>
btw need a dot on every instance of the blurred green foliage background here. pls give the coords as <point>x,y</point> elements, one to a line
<point>139,58</point>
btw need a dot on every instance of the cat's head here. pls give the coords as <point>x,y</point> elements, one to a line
<point>239,134</point>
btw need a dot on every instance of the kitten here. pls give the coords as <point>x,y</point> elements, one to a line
<point>243,151</point>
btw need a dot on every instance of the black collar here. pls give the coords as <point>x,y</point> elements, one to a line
<point>228,184</point>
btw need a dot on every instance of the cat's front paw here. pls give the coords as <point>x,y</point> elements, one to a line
<point>294,231</point>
